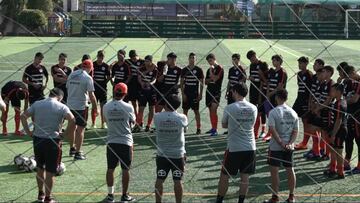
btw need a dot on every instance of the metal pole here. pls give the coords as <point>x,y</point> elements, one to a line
<point>346,24</point>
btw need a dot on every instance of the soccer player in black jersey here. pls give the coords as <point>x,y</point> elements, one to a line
<point>60,72</point>
<point>192,85</point>
<point>236,75</point>
<point>120,71</point>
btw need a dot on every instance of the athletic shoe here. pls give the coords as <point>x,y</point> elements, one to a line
<point>109,198</point>
<point>273,199</point>
<point>355,170</point>
<point>49,200</point>
<point>136,129</point>
<point>41,197</point>
<point>127,198</point>
<point>325,158</point>
<point>79,156</point>
<point>308,154</point>
<point>93,126</point>
<point>4,132</point>
<point>290,200</point>
<point>72,151</point>
<point>226,132</point>
<point>104,126</point>
<point>214,132</point>
<point>209,131</point>
<point>347,167</point>
<point>19,133</point>
<point>147,128</point>
<point>314,158</point>
<point>340,176</point>
<point>262,135</point>
<point>198,131</point>
<point>300,146</point>
<point>329,173</point>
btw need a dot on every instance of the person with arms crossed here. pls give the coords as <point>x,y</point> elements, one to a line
<point>170,140</point>
<point>14,92</point>
<point>60,73</point>
<point>80,87</point>
<point>119,116</point>
<point>120,71</point>
<point>240,155</point>
<point>49,115</point>
<point>192,79</point>
<point>284,126</point>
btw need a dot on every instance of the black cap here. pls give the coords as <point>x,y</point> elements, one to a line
<point>132,53</point>
<point>303,59</point>
<point>171,55</point>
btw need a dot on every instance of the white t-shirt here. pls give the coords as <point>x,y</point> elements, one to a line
<point>78,85</point>
<point>285,120</point>
<point>118,116</point>
<point>170,136</point>
<point>240,117</point>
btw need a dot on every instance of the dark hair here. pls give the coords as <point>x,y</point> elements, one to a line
<point>85,57</point>
<point>56,92</point>
<point>39,55</point>
<point>192,54</point>
<point>211,56</point>
<point>320,61</point>
<point>277,57</point>
<point>132,53</point>
<point>173,101</point>
<point>100,53</point>
<point>303,59</point>
<point>342,66</point>
<point>122,51</point>
<point>349,69</point>
<point>20,94</point>
<point>62,55</point>
<point>329,69</point>
<point>339,87</point>
<point>250,54</point>
<point>171,55</point>
<point>237,56</point>
<point>282,94</point>
<point>149,58</point>
<point>241,89</point>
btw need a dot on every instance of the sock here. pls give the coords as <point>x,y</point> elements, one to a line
<point>93,117</point>
<point>358,165</point>
<point>149,121</point>
<point>333,164</point>
<point>256,126</point>
<point>219,199</point>
<point>316,145</point>
<point>323,145</point>
<point>305,139</point>
<point>198,124</point>
<point>111,190</point>
<point>213,120</point>
<point>17,121</point>
<point>47,198</point>
<point>291,196</point>
<point>340,169</point>
<point>241,199</point>
<point>139,119</point>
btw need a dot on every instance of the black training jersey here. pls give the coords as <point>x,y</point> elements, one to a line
<point>236,75</point>
<point>134,66</point>
<point>275,78</point>
<point>171,79</point>
<point>120,72</point>
<point>161,66</point>
<point>315,88</point>
<point>348,87</point>
<point>192,77</point>
<point>355,90</point>
<point>101,73</point>
<point>148,75</point>
<point>337,111</point>
<point>254,72</point>
<point>56,70</point>
<point>10,88</point>
<point>304,81</point>
<point>215,87</point>
<point>324,90</point>
<point>35,75</point>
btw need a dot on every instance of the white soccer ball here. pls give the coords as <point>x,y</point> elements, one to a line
<point>60,169</point>
<point>19,161</point>
<point>30,165</point>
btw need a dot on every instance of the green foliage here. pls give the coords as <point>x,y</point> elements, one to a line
<point>45,5</point>
<point>32,18</point>
<point>11,8</point>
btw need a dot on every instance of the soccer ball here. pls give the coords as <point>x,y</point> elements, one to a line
<point>60,169</point>
<point>19,161</point>
<point>30,164</point>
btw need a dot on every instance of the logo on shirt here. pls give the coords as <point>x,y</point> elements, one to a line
<point>121,68</point>
<point>237,72</point>
<point>276,74</point>
<point>138,63</point>
<point>194,71</point>
<point>175,71</point>
<point>151,73</point>
<point>40,70</point>
<point>304,78</point>
<point>103,68</point>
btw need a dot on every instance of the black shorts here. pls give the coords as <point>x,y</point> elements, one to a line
<point>276,158</point>
<point>254,94</point>
<point>164,165</point>
<point>301,107</point>
<point>147,97</point>
<point>191,102</point>
<point>243,161</point>
<point>119,153</point>
<point>212,97</point>
<point>354,126</point>
<point>162,96</point>
<point>101,95</point>
<point>47,153</point>
<point>315,120</point>
<point>80,117</point>
<point>133,92</point>
<point>340,138</point>
<point>15,102</point>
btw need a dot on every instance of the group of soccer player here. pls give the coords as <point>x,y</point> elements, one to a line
<point>328,110</point>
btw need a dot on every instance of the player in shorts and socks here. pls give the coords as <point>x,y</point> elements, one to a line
<point>159,84</point>
<point>258,81</point>
<point>120,117</point>
<point>60,73</point>
<point>337,131</point>
<point>213,80</point>
<point>170,80</point>
<point>101,78</point>
<point>240,155</point>
<point>301,105</point>
<point>284,126</point>
<point>277,79</point>
<point>48,115</point>
<point>14,92</point>
<point>192,85</point>
<point>34,77</point>
<point>146,77</point>
<point>170,142</point>
<point>80,88</point>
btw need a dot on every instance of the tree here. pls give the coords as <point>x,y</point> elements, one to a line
<point>10,9</point>
<point>32,19</point>
<point>45,5</point>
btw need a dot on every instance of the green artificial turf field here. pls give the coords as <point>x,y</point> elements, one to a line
<point>84,181</point>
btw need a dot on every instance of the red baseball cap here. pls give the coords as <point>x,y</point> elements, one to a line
<point>87,64</point>
<point>121,87</point>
